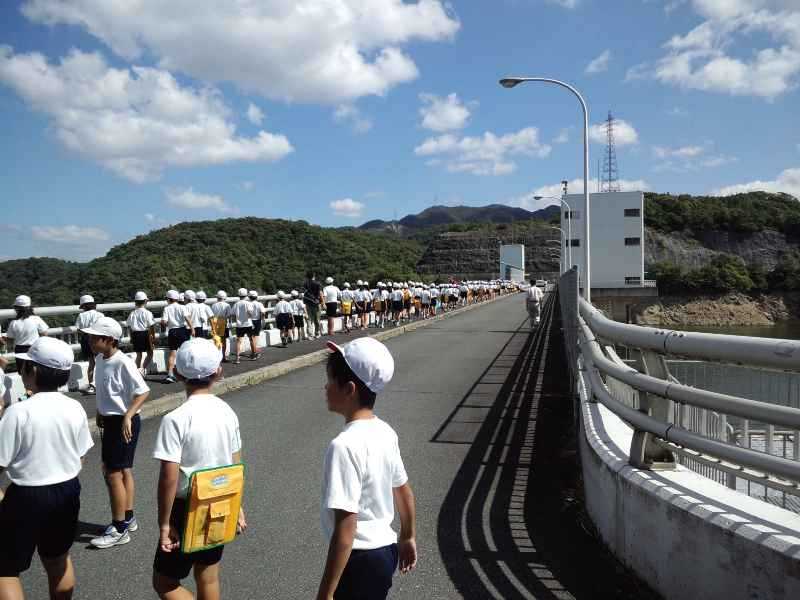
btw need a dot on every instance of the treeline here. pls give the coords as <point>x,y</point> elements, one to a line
<point>743,213</point>
<point>727,273</point>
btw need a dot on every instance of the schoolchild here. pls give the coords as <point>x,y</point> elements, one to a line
<point>406,302</point>
<point>331,294</point>
<point>348,299</point>
<point>88,315</point>
<point>397,304</point>
<point>259,312</point>
<point>312,296</point>
<point>194,310</point>
<point>23,331</point>
<point>222,310</point>
<point>368,308</point>
<point>434,298</point>
<point>425,301</point>
<point>176,322</point>
<point>242,313</point>
<point>121,392</point>
<point>284,318</point>
<point>42,444</point>
<point>363,481</point>
<point>143,333</point>
<point>202,433</point>
<point>205,314</point>
<point>299,316</point>
<point>359,303</point>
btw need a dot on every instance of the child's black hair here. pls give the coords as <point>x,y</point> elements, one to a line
<point>23,312</point>
<point>201,382</point>
<point>47,379</point>
<point>88,306</point>
<point>140,303</point>
<point>341,373</point>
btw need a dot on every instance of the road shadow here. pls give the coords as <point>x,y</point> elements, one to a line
<point>86,531</point>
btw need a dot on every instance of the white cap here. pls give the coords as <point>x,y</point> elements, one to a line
<point>22,301</point>
<point>49,352</point>
<point>201,295</point>
<point>105,326</point>
<point>359,282</point>
<point>280,294</point>
<point>242,292</point>
<point>190,295</point>
<point>139,296</point>
<point>346,284</point>
<point>366,282</point>
<point>197,358</point>
<point>173,295</point>
<point>295,293</point>
<point>369,360</point>
<point>182,297</point>
<point>85,299</point>
<point>222,294</point>
<point>252,294</point>
<point>329,280</point>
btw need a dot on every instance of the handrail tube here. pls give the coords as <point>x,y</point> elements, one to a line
<point>684,394</point>
<point>762,352</point>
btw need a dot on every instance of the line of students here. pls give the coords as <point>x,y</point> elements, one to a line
<point>44,440</point>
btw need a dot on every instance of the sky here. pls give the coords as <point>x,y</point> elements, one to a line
<point>119,118</point>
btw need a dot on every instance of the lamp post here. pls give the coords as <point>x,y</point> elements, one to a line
<point>561,251</point>
<point>569,223</point>
<point>510,82</point>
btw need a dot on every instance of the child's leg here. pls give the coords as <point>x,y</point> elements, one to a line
<point>207,578</point>
<point>130,488</point>
<point>11,588</point>
<point>60,577</point>
<point>117,494</point>
<point>138,360</point>
<point>168,588</point>
<point>91,368</point>
<point>148,359</point>
<point>171,362</point>
<point>254,343</point>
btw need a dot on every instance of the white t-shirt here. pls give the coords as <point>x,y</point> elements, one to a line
<point>26,331</point>
<point>534,294</point>
<point>385,295</point>
<point>299,307</point>
<point>87,318</point>
<point>118,381</point>
<point>331,293</point>
<point>43,439</point>
<point>283,308</point>
<point>426,297</point>
<point>259,309</point>
<point>140,319</point>
<point>243,312</point>
<point>174,316</point>
<point>397,295</point>
<point>202,433</point>
<point>434,293</point>
<point>221,309</point>
<point>196,313</point>
<point>348,296</point>
<point>362,467</point>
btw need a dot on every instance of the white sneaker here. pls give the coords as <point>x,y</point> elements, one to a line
<point>133,524</point>
<point>110,538</point>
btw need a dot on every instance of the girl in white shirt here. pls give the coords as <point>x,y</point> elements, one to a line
<point>142,326</point>
<point>26,328</point>
<point>299,316</point>
<point>284,318</point>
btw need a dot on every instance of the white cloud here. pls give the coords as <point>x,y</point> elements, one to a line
<point>703,58</point>
<point>689,158</point>
<point>624,133</point>
<point>443,114</point>
<point>488,154</point>
<point>254,114</point>
<point>573,187</point>
<point>787,182</point>
<point>135,122</point>
<point>562,137</point>
<point>149,217</point>
<point>330,52</point>
<point>348,113</point>
<point>599,64</point>
<point>189,199</point>
<point>682,152</point>
<point>565,3</point>
<point>69,234</point>
<point>347,207</point>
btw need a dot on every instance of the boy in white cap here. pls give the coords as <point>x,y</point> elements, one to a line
<point>299,316</point>
<point>284,318</point>
<point>26,328</point>
<point>205,314</point>
<point>121,392</point>
<point>242,313</point>
<point>222,310</point>
<point>142,324</point>
<point>348,301</point>
<point>202,433</point>
<point>88,315</point>
<point>259,311</point>
<point>42,444</point>
<point>176,321</point>
<point>364,480</point>
<point>332,294</point>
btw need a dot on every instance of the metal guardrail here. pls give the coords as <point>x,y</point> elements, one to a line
<point>674,423</point>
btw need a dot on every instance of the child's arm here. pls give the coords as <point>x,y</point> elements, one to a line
<point>169,538</point>
<point>127,425</point>
<point>341,545</point>
<point>407,544</point>
<point>242,523</point>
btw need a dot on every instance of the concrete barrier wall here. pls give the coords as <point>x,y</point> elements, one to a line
<point>685,535</point>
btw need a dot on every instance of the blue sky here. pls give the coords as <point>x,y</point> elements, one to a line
<point>340,111</point>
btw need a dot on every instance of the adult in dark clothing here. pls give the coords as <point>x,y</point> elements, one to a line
<point>312,298</point>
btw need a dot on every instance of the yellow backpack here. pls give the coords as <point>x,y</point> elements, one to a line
<point>215,497</point>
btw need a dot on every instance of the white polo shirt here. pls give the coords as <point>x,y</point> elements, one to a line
<point>26,331</point>
<point>221,309</point>
<point>118,381</point>
<point>362,466</point>
<point>348,295</point>
<point>283,308</point>
<point>202,433</point>
<point>299,307</point>
<point>242,312</point>
<point>331,293</point>
<point>140,319</point>
<point>174,316</point>
<point>43,439</point>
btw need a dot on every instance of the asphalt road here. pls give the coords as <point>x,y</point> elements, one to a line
<point>447,379</point>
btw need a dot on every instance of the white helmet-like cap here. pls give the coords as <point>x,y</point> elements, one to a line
<point>86,299</point>
<point>359,282</point>
<point>139,296</point>
<point>201,295</point>
<point>242,292</point>
<point>295,293</point>
<point>252,294</point>
<point>369,360</point>
<point>222,294</point>
<point>281,294</point>
<point>329,280</point>
<point>347,284</point>
<point>22,301</point>
<point>173,295</point>
<point>190,295</point>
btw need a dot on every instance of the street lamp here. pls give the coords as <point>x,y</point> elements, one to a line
<point>561,265</point>
<point>569,222</point>
<point>510,82</point>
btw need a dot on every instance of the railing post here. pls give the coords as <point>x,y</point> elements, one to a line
<point>645,453</point>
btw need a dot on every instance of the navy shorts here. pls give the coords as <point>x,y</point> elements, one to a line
<point>368,574</point>
<point>115,452</point>
<point>176,564</point>
<point>140,341</point>
<point>284,321</point>
<point>330,309</point>
<point>43,518</point>
<point>299,320</point>
<point>86,348</point>
<point>244,331</point>
<point>177,336</point>
<point>256,327</point>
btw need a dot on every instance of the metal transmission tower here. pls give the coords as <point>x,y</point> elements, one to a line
<point>610,181</point>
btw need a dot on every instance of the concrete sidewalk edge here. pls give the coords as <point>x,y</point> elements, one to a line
<point>164,404</point>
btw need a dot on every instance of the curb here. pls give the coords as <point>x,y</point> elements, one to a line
<point>166,403</point>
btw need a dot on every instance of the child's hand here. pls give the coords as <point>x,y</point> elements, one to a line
<point>169,539</point>
<point>241,525</point>
<point>3,363</point>
<point>407,549</point>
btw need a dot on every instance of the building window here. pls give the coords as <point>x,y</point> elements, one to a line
<point>576,214</point>
<point>633,212</point>
<point>633,241</point>
<point>576,242</point>
<point>633,281</point>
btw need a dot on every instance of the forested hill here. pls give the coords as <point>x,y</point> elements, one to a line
<point>443,216</point>
<point>265,254</point>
